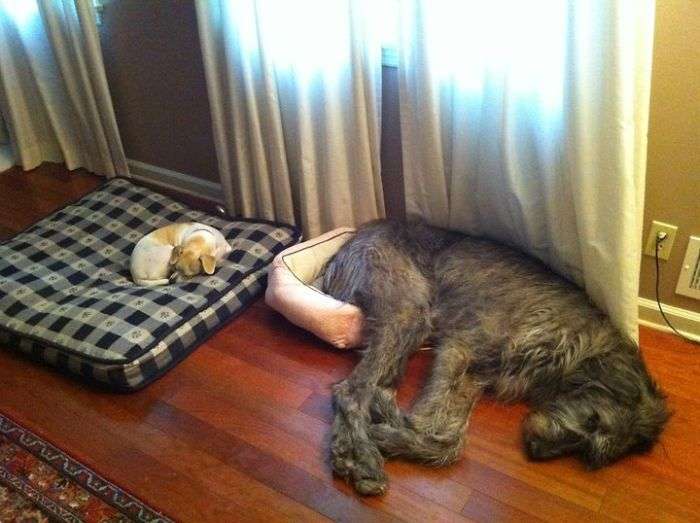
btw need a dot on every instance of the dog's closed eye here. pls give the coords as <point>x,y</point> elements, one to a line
<point>592,422</point>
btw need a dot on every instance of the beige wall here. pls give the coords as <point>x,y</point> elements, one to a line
<point>673,161</point>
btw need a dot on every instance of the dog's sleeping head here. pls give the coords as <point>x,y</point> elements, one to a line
<point>193,257</point>
<point>599,424</point>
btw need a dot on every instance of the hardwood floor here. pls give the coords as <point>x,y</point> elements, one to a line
<point>239,430</point>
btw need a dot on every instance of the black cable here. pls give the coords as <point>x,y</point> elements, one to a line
<point>658,300</point>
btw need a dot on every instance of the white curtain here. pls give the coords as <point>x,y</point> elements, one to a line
<point>294,89</point>
<point>53,88</point>
<point>527,122</point>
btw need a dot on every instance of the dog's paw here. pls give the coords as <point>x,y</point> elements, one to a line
<point>371,487</point>
<point>360,463</point>
<point>367,477</point>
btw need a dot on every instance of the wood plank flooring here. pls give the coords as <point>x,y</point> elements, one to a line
<point>239,430</point>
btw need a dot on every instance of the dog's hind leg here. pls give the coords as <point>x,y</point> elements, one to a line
<point>434,432</point>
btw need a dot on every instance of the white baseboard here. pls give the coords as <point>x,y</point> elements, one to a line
<point>175,180</point>
<point>687,322</point>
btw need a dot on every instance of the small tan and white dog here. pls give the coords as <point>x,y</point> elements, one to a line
<point>179,250</point>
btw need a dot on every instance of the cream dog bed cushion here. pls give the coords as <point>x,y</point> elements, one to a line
<point>293,289</point>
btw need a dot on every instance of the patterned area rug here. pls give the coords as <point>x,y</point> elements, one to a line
<point>39,482</point>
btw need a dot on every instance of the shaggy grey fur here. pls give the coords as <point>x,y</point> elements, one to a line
<point>501,323</point>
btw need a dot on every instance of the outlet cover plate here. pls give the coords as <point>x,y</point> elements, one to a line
<point>667,245</point>
<point>689,279</point>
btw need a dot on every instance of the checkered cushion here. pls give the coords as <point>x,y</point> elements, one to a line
<point>66,296</point>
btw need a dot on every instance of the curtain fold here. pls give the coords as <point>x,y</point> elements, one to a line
<point>296,114</point>
<point>6,156</point>
<point>526,122</point>
<point>53,87</point>
<point>4,135</point>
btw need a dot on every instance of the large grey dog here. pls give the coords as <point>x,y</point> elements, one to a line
<point>501,323</point>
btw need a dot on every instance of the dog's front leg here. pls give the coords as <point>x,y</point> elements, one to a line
<point>354,455</point>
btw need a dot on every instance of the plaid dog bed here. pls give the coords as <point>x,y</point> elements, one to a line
<point>66,295</point>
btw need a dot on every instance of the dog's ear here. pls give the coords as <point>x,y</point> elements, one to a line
<point>175,255</point>
<point>209,263</point>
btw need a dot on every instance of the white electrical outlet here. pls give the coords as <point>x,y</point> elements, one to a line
<point>666,244</point>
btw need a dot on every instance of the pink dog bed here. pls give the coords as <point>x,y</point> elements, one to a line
<point>293,289</point>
